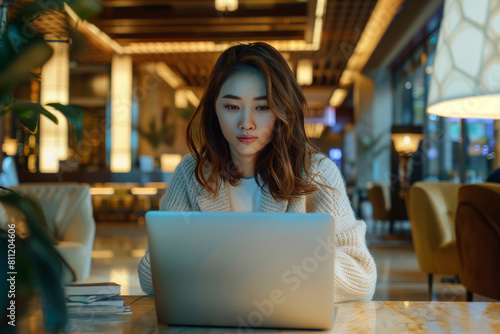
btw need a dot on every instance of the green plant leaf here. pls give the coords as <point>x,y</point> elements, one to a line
<point>156,136</point>
<point>34,75</point>
<point>74,114</point>
<point>51,293</point>
<point>85,8</point>
<point>5,47</point>
<point>29,55</point>
<point>78,41</point>
<point>28,114</point>
<point>6,101</point>
<point>185,113</point>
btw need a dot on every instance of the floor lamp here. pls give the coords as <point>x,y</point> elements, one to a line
<point>465,82</point>
<point>405,144</point>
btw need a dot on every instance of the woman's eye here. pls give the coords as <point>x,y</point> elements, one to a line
<point>262,108</point>
<point>231,107</point>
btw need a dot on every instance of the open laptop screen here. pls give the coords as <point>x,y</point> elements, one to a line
<point>259,270</point>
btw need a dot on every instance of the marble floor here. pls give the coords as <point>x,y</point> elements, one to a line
<point>119,246</point>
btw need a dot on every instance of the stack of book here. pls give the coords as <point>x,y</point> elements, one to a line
<point>94,298</point>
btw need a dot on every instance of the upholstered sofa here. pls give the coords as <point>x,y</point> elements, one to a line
<point>431,210</point>
<point>68,210</point>
<point>478,238</point>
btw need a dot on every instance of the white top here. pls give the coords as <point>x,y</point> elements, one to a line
<point>245,196</point>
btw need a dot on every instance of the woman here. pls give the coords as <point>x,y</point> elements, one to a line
<point>249,152</point>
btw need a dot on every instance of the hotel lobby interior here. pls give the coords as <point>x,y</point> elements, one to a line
<point>403,97</point>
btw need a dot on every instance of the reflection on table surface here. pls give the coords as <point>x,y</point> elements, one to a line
<point>353,317</point>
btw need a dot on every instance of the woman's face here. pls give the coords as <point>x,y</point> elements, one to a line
<point>244,115</point>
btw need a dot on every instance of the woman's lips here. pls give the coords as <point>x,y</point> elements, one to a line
<point>247,139</point>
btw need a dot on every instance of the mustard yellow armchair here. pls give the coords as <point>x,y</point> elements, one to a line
<point>431,209</point>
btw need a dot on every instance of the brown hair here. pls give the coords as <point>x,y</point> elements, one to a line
<point>281,162</point>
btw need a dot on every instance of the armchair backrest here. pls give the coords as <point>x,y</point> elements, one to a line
<point>67,208</point>
<point>478,238</point>
<point>431,210</point>
<point>379,196</point>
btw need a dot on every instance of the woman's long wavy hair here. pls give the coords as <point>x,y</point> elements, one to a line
<point>284,163</point>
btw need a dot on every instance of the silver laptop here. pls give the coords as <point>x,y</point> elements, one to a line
<point>242,270</point>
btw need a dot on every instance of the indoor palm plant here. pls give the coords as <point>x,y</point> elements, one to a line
<point>37,263</point>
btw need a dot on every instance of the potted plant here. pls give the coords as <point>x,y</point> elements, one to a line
<point>165,133</point>
<point>30,264</point>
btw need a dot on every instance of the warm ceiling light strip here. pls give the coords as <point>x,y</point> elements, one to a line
<point>184,47</point>
<point>166,73</point>
<point>379,21</point>
<point>318,23</point>
<point>338,97</point>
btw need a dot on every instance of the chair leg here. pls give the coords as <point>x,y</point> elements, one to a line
<point>469,295</point>
<point>430,277</point>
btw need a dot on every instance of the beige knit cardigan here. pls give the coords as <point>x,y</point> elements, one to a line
<point>355,272</point>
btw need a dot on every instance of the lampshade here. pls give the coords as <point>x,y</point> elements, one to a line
<point>465,81</point>
<point>406,143</point>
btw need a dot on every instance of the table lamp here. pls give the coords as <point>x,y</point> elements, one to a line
<point>465,82</point>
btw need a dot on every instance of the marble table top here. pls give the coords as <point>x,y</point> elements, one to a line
<point>353,317</point>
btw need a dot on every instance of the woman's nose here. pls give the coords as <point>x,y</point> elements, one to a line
<point>247,121</point>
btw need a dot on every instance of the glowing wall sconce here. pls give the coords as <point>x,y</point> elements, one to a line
<point>169,162</point>
<point>226,5</point>
<point>121,114</point>
<point>9,146</point>
<point>305,72</point>
<point>54,88</point>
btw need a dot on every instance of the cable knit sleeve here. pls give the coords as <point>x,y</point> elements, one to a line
<point>176,199</point>
<point>355,271</point>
